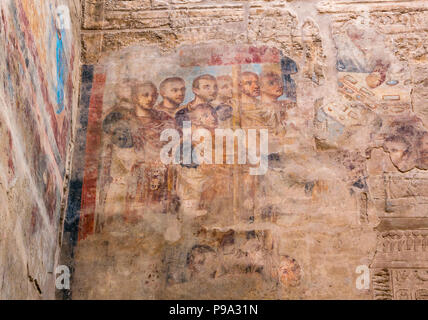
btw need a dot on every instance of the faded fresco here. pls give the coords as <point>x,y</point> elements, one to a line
<point>219,150</point>
<point>339,212</point>
<point>38,76</point>
<point>205,212</point>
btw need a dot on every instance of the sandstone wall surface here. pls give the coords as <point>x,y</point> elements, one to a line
<point>39,82</point>
<point>346,186</point>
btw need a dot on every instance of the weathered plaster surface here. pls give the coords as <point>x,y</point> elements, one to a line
<point>39,76</point>
<point>346,186</point>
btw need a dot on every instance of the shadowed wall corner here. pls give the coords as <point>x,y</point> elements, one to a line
<point>39,76</point>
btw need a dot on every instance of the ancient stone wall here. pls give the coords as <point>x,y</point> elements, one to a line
<point>340,87</point>
<point>39,81</point>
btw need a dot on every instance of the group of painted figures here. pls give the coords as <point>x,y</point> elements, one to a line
<point>135,183</point>
<point>134,180</point>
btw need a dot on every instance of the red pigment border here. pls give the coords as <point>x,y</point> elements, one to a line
<point>93,143</point>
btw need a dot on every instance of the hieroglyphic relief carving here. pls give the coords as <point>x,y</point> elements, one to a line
<point>271,24</point>
<point>410,284</point>
<point>399,268</point>
<point>377,55</point>
<point>402,241</point>
<point>400,284</point>
<point>381,284</point>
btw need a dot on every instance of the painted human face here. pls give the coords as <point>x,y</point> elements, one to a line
<point>175,92</point>
<point>272,85</point>
<point>155,184</point>
<point>156,179</point>
<point>121,135</point>
<point>288,271</point>
<point>146,96</point>
<point>399,154</point>
<point>207,90</point>
<point>250,85</point>
<point>224,112</point>
<point>225,88</point>
<point>204,117</point>
<point>201,258</point>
